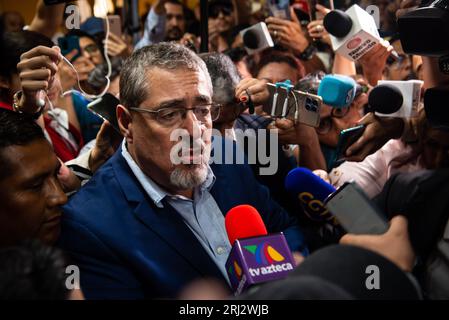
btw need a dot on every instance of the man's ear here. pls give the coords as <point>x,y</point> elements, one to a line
<point>124,120</point>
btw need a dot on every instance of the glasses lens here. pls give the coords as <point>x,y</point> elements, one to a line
<point>215,112</point>
<point>169,116</point>
<point>91,48</point>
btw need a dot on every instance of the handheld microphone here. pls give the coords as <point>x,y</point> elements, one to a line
<point>311,191</point>
<point>353,32</point>
<point>337,90</point>
<point>255,256</point>
<point>397,99</point>
<point>385,99</point>
<point>256,38</point>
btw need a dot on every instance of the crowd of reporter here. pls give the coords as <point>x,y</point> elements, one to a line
<point>81,190</point>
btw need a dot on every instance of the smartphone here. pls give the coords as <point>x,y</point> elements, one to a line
<point>115,25</point>
<point>68,44</point>
<point>105,107</point>
<point>355,212</point>
<point>279,9</point>
<point>302,107</point>
<point>346,139</point>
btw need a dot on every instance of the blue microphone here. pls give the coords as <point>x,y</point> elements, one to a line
<point>337,90</point>
<point>311,191</point>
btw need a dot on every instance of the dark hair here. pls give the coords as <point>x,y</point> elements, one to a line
<point>271,56</point>
<point>13,46</point>
<point>310,82</point>
<point>16,129</point>
<point>97,79</point>
<point>32,271</point>
<point>224,76</point>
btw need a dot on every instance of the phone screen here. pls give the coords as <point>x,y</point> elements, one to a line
<point>346,139</point>
<point>68,44</point>
<point>105,107</point>
<point>355,211</point>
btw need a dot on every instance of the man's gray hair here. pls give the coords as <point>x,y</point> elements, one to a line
<point>224,74</point>
<point>134,82</point>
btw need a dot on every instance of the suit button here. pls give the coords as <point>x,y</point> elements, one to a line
<point>221,250</point>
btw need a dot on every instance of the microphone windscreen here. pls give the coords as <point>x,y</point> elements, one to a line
<point>385,99</point>
<point>337,90</point>
<point>301,180</point>
<point>435,105</point>
<point>338,23</point>
<point>244,221</point>
<point>251,39</point>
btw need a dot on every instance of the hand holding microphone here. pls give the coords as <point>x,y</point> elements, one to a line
<point>374,61</point>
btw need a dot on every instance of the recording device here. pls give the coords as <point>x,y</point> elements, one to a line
<point>279,9</point>
<point>256,257</point>
<point>115,25</point>
<point>105,107</point>
<point>346,139</point>
<point>337,90</point>
<point>355,211</point>
<point>353,32</point>
<point>311,191</point>
<point>256,38</point>
<point>292,104</point>
<point>68,44</point>
<point>435,105</point>
<point>424,31</point>
<point>398,99</point>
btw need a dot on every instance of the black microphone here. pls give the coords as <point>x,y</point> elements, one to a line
<point>353,33</point>
<point>435,105</point>
<point>251,39</point>
<point>338,23</point>
<point>385,99</point>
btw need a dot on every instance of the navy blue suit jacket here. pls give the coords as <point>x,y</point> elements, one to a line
<point>127,248</point>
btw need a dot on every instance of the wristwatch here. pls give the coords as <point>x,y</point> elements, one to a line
<point>16,98</point>
<point>308,53</point>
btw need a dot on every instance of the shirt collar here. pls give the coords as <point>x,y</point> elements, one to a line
<point>154,191</point>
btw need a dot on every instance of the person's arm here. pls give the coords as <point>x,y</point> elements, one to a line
<point>343,66</point>
<point>378,131</point>
<point>47,19</point>
<point>154,31</point>
<point>373,62</point>
<point>394,244</point>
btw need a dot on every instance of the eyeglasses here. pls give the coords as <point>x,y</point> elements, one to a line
<point>214,11</point>
<point>399,62</point>
<point>326,123</point>
<point>173,116</point>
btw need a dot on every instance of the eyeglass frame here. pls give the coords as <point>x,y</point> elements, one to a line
<point>333,115</point>
<point>211,105</point>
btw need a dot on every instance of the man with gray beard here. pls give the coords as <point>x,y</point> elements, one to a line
<point>151,220</point>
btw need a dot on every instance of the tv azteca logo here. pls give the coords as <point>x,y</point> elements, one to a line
<point>268,259</point>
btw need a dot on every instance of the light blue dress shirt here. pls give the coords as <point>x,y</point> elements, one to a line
<point>202,214</point>
<point>154,31</point>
